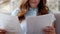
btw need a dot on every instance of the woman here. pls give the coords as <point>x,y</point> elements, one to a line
<point>33,8</point>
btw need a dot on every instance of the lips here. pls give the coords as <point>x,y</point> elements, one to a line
<point>34,2</point>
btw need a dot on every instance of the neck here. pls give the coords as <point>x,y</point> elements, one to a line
<point>33,7</point>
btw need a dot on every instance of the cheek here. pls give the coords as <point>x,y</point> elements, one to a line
<point>38,1</point>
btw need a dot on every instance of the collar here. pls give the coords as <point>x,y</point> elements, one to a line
<point>31,9</point>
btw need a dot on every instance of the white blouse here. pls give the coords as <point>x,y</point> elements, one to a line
<point>31,12</point>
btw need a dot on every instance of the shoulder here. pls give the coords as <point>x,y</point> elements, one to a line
<point>15,12</point>
<point>50,12</point>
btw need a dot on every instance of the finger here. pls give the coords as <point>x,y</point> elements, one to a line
<point>1,30</point>
<point>49,31</point>
<point>46,33</point>
<point>49,27</point>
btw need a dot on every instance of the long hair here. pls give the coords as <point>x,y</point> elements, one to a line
<point>42,8</point>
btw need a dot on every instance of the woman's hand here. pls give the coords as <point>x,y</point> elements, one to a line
<point>49,30</point>
<point>2,31</point>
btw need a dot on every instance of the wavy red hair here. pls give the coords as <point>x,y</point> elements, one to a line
<point>42,8</point>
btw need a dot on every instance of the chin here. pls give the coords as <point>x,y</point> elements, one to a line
<point>34,6</point>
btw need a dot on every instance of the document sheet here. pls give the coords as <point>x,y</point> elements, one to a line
<point>36,24</point>
<point>10,23</point>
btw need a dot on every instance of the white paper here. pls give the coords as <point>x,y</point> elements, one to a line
<point>10,23</point>
<point>35,25</point>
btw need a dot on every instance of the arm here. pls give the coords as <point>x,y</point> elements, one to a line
<point>15,12</point>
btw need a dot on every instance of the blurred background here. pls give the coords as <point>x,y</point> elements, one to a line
<point>54,5</point>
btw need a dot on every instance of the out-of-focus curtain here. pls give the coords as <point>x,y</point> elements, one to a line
<point>4,6</point>
<point>13,4</point>
<point>8,8</point>
<point>53,5</point>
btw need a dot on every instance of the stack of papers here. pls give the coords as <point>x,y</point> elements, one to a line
<point>36,24</point>
<point>10,23</point>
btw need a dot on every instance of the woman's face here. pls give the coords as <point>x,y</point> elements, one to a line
<point>34,3</point>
